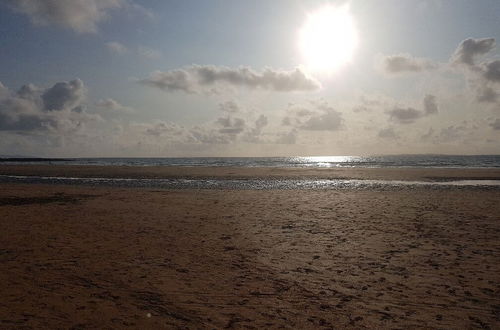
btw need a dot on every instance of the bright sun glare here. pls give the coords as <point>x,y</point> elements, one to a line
<point>328,38</point>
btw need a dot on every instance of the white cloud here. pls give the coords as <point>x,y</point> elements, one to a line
<point>203,78</point>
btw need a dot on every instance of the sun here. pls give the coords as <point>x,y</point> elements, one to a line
<point>328,38</point>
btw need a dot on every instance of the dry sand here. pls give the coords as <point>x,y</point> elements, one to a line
<point>82,257</point>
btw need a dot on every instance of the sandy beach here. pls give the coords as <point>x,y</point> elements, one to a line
<point>85,257</point>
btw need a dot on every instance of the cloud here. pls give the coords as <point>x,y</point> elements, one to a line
<point>388,133</point>
<point>63,95</point>
<point>484,77</point>
<point>430,105</point>
<point>495,125</point>
<point>328,121</point>
<point>82,16</point>
<point>427,136</point>
<point>487,94</point>
<point>491,71</point>
<point>318,116</point>
<point>116,47</point>
<point>58,109</point>
<point>406,63</point>
<point>470,48</point>
<point>229,107</point>
<point>203,78</point>
<point>254,134</point>
<point>231,125</point>
<point>452,133</point>
<point>404,115</point>
<point>112,105</point>
<point>410,115</point>
<point>162,129</point>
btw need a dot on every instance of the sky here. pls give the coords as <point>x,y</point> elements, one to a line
<point>155,78</point>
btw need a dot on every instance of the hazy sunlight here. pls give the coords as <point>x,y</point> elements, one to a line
<point>328,38</point>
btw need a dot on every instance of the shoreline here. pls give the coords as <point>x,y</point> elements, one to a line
<point>198,172</point>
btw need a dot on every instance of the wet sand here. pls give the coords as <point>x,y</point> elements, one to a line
<point>155,172</point>
<point>82,257</point>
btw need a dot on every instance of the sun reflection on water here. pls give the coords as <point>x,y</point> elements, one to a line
<point>327,161</point>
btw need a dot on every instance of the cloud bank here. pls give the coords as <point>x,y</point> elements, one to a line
<point>204,78</point>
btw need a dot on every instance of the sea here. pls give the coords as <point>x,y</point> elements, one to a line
<point>422,161</point>
<point>392,161</point>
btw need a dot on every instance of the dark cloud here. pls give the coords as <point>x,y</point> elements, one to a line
<point>484,77</point>
<point>17,114</point>
<point>198,78</point>
<point>261,122</point>
<point>29,92</point>
<point>496,124</point>
<point>63,95</point>
<point>430,105</point>
<point>405,115</point>
<point>81,16</point>
<point>487,94</point>
<point>470,48</point>
<point>410,115</point>
<point>406,63</point>
<point>56,109</point>
<point>491,71</point>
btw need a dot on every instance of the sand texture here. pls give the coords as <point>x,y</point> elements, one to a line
<point>103,258</point>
